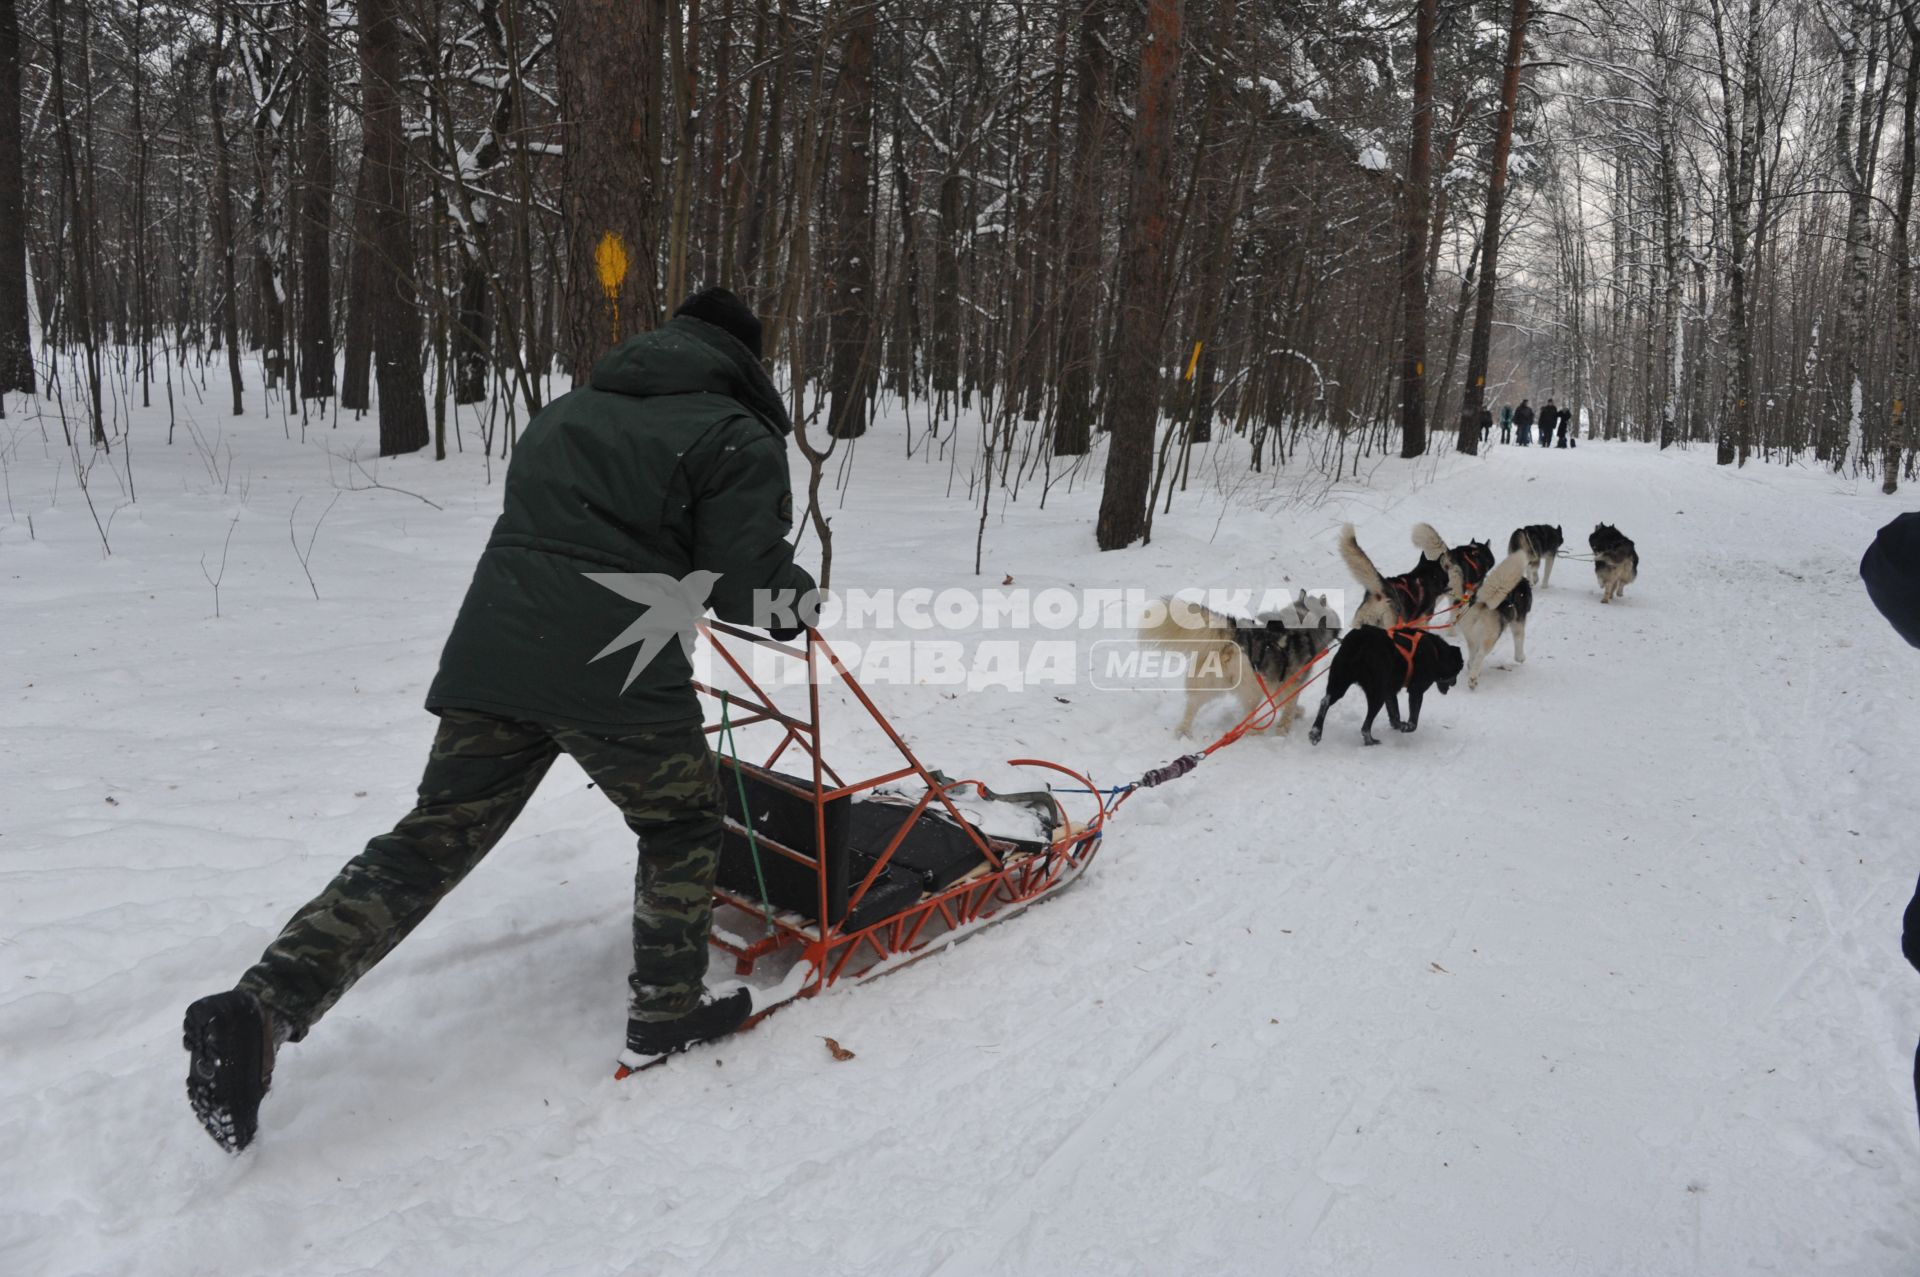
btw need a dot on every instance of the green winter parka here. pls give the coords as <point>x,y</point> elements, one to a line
<point>671,462</point>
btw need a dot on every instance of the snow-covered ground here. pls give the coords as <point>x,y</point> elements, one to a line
<point>1597,973</point>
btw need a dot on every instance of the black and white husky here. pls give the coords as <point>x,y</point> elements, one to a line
<point>1411,596</point>
<point>1233,657</point>
<point>1542,545</point>
<point>1615,562</point>
<point>1475,560</point>
<point>1500,604</point>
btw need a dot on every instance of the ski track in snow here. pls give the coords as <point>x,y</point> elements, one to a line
<point>1596,973</point>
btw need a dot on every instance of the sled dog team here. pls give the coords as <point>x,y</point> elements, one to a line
<point>1396,642</point>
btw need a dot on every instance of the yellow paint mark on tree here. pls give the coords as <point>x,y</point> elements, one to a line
<point>610,261</point>
<point>1195,361</point>
<point>1419,369</point>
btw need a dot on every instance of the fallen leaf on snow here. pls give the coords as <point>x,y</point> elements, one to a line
<point>836,1050</point>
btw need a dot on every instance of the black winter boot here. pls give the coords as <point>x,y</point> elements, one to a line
<point>231,1041</point>
<point>651,1041</point>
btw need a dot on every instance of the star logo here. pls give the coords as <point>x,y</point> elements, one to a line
<point>674,608</point>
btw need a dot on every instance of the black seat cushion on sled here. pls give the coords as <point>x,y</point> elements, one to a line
<point>782,808</point>
<point>936,851</point>
<point>892,892</point>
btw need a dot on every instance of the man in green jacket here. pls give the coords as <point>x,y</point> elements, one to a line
<point>658,490</point>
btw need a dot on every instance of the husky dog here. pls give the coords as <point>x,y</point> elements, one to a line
<point>1411,596</point>
<point>1381,663</point>
<point>1475,560</point>
<point>1501,603</point>
<point>1233,657</point>
<point>1615,562</point>
<point>1541,543</point>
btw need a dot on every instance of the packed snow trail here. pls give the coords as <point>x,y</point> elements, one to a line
<point>1598,972</point>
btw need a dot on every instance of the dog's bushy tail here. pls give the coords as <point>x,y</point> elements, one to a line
<point>1164,623</point>
<point>1359,564</point>
<point>1434,546</point>
<point>1506,574</point>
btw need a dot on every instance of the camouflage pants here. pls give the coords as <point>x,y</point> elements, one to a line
<point>480,775</point>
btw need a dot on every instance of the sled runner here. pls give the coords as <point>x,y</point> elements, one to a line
<point>851,879</point>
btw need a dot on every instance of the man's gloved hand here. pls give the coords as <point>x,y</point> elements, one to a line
<point>806,610</point>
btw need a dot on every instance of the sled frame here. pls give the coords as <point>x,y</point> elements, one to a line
<point>1011,878</point>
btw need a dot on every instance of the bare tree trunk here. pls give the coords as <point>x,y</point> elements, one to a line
<point>395,313</point>
<point>1900,434</point>
<point>1080,281</point>
<point>1416,215</point>
<point>138,223</point>
<point>684,51</point>
<point>1135,407</point>
<point>1480,350</point>
<point>535,333</point>
<point>755,230</point>
<point>1851,159</point>
<point>356,385</point>
<point>609,64</point>
<point>267,223</point>
<point>316,206</point>
<point>16,342</point>
<point>852,306</point>
<point>1736,434</point>
<point>222,196</point>
<point>714,232</point>
<point>1667,366</point>
<point>80,224</point>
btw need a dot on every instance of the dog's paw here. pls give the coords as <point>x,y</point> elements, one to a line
<point>1403,727</point>
<point>1313,737</point>
<point>1367,740</point>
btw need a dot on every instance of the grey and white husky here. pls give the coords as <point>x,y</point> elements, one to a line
<point>1500,604</point>
<point>1232,657</point>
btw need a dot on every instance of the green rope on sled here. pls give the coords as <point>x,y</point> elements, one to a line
<point>746,812</point>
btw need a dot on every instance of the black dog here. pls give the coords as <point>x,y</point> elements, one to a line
<point>1475,560</point>
<point>1615,562</point>
<point>1540,542</point>
<point>1381,663</point>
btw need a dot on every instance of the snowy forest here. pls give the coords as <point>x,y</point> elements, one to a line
<point>360,358</point>
<point>1342,224</point>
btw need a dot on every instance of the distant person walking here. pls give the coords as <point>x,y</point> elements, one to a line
<point>1566,415</point>
<point>1548,415</point>
<point>1486,422</point>
<point>1506,423</point>
<point>1523,418</point>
